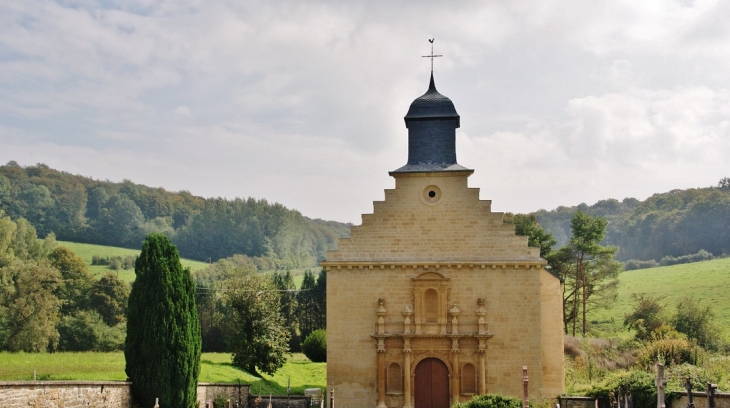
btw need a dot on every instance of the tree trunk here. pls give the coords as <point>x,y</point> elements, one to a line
<point>583,287</point>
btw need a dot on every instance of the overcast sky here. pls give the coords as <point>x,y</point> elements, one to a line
<point>302,102</point>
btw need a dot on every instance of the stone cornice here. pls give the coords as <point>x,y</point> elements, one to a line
<point>430,335</point>
<point>423,265</point>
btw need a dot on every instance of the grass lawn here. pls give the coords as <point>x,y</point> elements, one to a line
<point>87,251</point>
<point>214,367</point>
<point>708,281</point>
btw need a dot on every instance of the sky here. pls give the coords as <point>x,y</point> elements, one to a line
<point>302,102</point>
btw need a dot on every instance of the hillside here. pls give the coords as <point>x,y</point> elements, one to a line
<point>707,281</point>
<point>675,223</point>
<point>88,251</point>
<point>81,209</point>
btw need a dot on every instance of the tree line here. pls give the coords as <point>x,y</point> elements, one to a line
<point>672,224</point>
<point>81,209</point>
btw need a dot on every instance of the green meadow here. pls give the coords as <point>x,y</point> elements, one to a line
<point>708,281</point>
<point>214,367</point>
<point>87,252</point>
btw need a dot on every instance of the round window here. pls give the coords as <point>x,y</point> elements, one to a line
<point>431,195</point>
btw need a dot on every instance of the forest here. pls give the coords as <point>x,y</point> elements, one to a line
<point>666,225</point>
<point>81,209</point>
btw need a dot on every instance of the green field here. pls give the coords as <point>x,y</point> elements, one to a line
<point>87,251</point>
<point>214,367</point>
<point>708,281</point>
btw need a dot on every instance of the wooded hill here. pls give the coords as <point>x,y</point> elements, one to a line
<point>81,209</point>
<point>671,224</point>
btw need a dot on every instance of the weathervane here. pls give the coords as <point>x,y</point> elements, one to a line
<point>432,55</point>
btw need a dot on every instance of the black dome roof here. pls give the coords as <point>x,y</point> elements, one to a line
<point>432,105</point>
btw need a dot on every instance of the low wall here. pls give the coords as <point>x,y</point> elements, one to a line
<point>280,401</point>
<point>207,392</point>
<point>101,394</point>
<point>67,394</point>
<point>722,400</point>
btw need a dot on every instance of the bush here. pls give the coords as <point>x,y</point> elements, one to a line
<point>696,319</point>
<point>638,382</point>
<point>86,331</point>
<point>701,255</point>
<point>315,346</point>
<point>634,264</point>
<point>670,351</point>
<point>220,401</point>
<point>676,376</point>
<point>490,401</point>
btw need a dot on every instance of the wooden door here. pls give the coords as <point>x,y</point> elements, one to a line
<point>431,384</point>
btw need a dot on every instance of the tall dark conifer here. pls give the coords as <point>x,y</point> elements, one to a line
<point>163,342</point>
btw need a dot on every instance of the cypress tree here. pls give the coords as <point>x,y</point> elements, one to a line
<point>162,348</point>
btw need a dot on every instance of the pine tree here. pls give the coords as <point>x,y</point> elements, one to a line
<point>162,348</point>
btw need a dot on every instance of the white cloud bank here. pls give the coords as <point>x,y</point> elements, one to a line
<point>302,102</point>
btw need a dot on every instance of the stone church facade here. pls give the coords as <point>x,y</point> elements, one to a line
<point>433,299</point>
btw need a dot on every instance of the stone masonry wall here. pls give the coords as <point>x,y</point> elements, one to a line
<point>66,394</point>
<point>722,400</point>
<point>101,394</point>
<point>458,237</point>
<point>453,225</point>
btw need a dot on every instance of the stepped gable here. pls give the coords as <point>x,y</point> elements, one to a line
<point>454,225</point>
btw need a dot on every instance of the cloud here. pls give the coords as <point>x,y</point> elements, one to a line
<point>303,102</point>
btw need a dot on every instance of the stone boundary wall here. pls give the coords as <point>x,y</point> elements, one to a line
<point>722,400</point>
<point>237,393</point>
<point>280,401</point>
<point>67,394</point>
<point>101,394</point>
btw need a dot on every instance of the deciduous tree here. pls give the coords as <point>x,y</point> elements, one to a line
<point>28,306</point>
<point>647,317</point>
<point>256,333</point>
<point>76,281</point>
<point>109,298</point>
<point>696,319</point>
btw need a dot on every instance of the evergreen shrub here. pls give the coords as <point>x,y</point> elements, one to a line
<point>315,346</point>
<point>163,343</point>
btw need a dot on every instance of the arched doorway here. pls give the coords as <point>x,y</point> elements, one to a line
<point>431,388</point>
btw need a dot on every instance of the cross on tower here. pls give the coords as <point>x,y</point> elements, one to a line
<point>432,55</point>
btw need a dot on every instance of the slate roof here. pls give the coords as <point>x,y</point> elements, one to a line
<point>430,167</point>
<point>432,105</point>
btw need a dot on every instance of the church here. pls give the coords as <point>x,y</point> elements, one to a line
<point>433,299</point>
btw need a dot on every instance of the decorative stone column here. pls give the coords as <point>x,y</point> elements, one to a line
<point>407,372</point>
<point>455,388</point>
<point>482,366</point>
<point>381,378</point>
<point>381,353</point>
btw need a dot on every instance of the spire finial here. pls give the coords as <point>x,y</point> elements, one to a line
<point>432,55</point>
